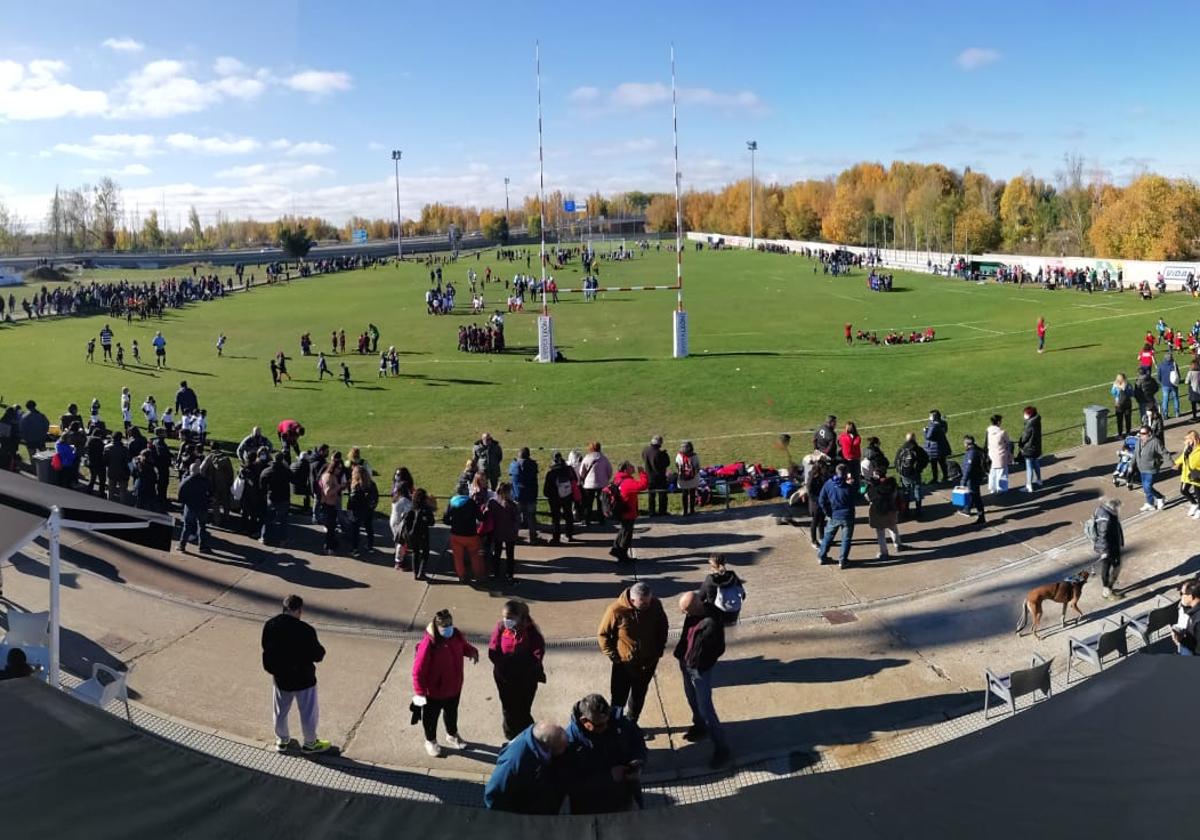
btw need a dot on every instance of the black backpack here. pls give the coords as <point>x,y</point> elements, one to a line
<point>908,463</point>
<point>612,503</point>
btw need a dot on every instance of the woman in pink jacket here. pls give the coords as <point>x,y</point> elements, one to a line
<point>438,679</point>
<point>516,651</point>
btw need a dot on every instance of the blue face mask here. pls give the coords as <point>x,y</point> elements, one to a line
<point>510,624</point>
<point>447,632</point>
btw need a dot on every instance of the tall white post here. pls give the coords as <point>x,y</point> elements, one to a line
<point>679,323</point>
<point>53,531</point>
<point>396,154</point>
<point>545,322</point>
<point>752,145</point>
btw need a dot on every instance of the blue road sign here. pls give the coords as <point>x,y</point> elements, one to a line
<point>569,206</point>
<point>360,236</point>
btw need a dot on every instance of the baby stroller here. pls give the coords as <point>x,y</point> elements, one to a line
<point>1125,473</point>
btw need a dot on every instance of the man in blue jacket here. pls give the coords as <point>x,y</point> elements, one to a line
<point>973,471</point>
<point>838,499</point>
<point>523,472</point>
<point>524,782</point>
<point>604,758</point>
<point>1168,376</point>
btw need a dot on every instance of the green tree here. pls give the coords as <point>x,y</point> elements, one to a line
<point>495,227</point>
<point>152,235</point>
<point>295,242</point>
<point>533,224</point>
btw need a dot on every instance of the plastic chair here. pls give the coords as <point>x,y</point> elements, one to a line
<point>1146,625</point>
<point>100,693</point>
<point>1008,687</point>
<point>1094,648</point>
<point>31,633</point>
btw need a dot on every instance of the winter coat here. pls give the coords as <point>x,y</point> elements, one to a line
<point>596,471</point>
<point>656,462</point>
<point>936,444</point>
<point>838,498</point>
<point>116,457</point>
<point>489,458</point>
<point>702,640</point>
<point>589,760</point>
<point>523,472</point>
<point>1145,389</point>
<point>523,781</point>
<point>688,483</point>
<point>1030,442</point>
<point>883,511</point>
<point>1164,373</point>
<point>195,493</point>
<point>559,474</point>
<point>850,447</point>
<point>636,638</point>
<point>999,447</point>
<point>290,651</point>
<point>1188,462</point>
<point>920,458</point>
<point>825,440</point>
<point>877,459</point>
<point>276,484</point>
<point>501,520</point>
<point>437,671</point>
<point>516,655</point>
<point>463,516</point>
<point>630,487</point>
<point>35,428</point>
<point>972,466</point>
<point>1192,378</point>
<point>1110,537</point>
<point>400,508</point>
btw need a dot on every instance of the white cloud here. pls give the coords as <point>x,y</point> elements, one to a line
<point>640,94</point>
<point>239,87</point>
<point>587,93</point>
<point>160,89</point>
<point>318,81</point>
<point>973,58</point>
<point>228,66</point>
<point>109,146</point>
<point>634,95</point>
<point>123,44</point>
<point>128,171</point>
<point>308,148</point>
<point>375,146</point>
<point>274,173</point>
<point>36,92</point>
<point>212,145</point>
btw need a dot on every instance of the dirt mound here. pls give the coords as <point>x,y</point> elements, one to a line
<point>47,274</point>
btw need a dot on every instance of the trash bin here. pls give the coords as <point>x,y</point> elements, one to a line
<point>1095,425</point>
<point>41,463</point>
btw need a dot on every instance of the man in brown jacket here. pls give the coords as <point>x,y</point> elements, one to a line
<point>633,635</point>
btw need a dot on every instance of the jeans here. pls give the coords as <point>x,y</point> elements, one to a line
<point>912,488</point>
<point>1152,495</point>
<point>329,518</point>
<point>1033,473</point>
<point>628,686</point>
<point>997,479</point>
<point>435,708</point>
<point>529,518</point>
<point>697,687</point>
<point>1170,392</point>
<point>274,526</point>
<point>194,525</point>
<point>837,523</point>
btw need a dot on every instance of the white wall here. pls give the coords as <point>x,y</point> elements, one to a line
<point>1135,271</point>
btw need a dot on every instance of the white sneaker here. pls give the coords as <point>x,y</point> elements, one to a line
<point>455,742</point>
<point>1160,502</point>
<point>1146,506</point>
<point>1191,511</point>
<point>432,748</point>
<point>1106,593</point>
<point>1196,515</point>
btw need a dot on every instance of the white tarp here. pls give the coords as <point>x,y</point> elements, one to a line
<point>10,278</point>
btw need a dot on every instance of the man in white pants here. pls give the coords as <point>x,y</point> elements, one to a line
<point>290,651</point>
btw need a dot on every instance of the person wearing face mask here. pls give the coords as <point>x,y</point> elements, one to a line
<point>633,635</point>
<point>516,650</point>
<point>437,674</point>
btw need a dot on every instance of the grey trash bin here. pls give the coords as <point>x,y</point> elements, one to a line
<point>1095,425</point>
<point>41,463</point>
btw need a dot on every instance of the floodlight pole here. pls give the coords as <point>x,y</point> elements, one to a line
<point>506,198</point>
<point>680,322</point>
<point>396,154</point>
<point>545,323</point>
<point>752,145</point>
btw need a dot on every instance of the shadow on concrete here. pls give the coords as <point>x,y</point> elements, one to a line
<point>756,670</point>
<point>701,541</point>
<point>35,568</point>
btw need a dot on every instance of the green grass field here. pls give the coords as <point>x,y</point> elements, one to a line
<point>767,356</point>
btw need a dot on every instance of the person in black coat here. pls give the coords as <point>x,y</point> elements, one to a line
<point>656,462</point>
<point>701,644</point>
<point>937,446</point>
<point>825,439</point>
<point>276,485</point>
<point>97,466</point>
<point>116,462</point>
<point>1030,446</point>
<point>290,651</point>
<point>195,495</point>
<point>973,473</point>
<point>162,467</point>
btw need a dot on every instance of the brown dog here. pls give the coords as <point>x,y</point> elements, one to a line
<point>1065,592</point>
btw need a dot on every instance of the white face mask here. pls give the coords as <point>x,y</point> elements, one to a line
<point>447,632</point>
<point>510,624</point>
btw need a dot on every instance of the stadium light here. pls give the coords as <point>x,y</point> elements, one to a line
<point>752,145</point>
<point>396,155</point>
<point>506,197</point>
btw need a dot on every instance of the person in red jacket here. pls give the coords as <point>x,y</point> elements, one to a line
<point>438,679</point>
<point>629,486</point>
<point>850,448</point>
<point>289,432</point>
<point>516,651</point>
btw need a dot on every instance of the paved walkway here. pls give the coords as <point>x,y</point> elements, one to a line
<point>834,661</point>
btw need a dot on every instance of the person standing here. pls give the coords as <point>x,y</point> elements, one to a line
<point>503,519</point>
<point>1189,472</point>
<point>825,438</point>
<point>1041,334</point>
<point>1145,388</point>
<point>818,470</point>
<point>523,473</point>
<point>35,428</point>
<point>437,676</point>
<point>626,508</point>
<point>329,501</point>
<point>701,644</point>
<point>418,542</point>
<point>595,473</point>
<point>1168,377</point>
<point>1030,444</point>
<point>401,521</point>
<point>999,447</point>
<point>116,462</point>
<point>883,512</point>
<point>633,635</point>
<point>838,498</point>
<point>364,497</point>
<point>656,462</point>
<point>1108,543</point>
<point>850,450</point>
<point>937,446</point>
<point>1148,455</point>
<point>185,398</point>
<point>276,484</point>
<point>290,651</point>
<point>559,488</point>
<point>160,350</point>
<point>489,457</point>
<point>911,461</point>
<point>1122,394</point>
<point>525,780</point>
<point>516,651</point>
<point>973,474</point>
<point>274,373</point>
<point>687,465</point>
<point>1193,387</point>
<point>604,758</point>
<point>463,515</point>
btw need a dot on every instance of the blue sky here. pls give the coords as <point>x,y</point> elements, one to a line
<point>265,107</point>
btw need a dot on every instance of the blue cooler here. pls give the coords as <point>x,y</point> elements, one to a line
<point>960,496</point>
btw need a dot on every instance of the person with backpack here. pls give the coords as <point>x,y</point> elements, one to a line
<point>937,446</point>
<point>523,473</point>
<point>1030,445</point>
<point>973,472</point>
<point>559,488</point>
<point>418,538</point>
<point>1168,376</point>
<point>620,498</point>
<point>999,447</point>
<point>401,521</point>
<point>825,438</point>
<point>633,635</point>
<point>1108,538</point>
<point>883,512</point>
<point>656,462</point>
<point>595,473</point>
<point>516,651</point>
<point>687,465</point>
<point>911,461</point>
<point>1122,394</point>
<point>818,469</point>
<point>723,589</point>
<point>838,499</point>
<point>1148,456</point>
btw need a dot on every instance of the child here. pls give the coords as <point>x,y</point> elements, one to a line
<point>120,356</point>
<point>346,380</point>
<point>383,365</point>
<point>283,367</point>
<point>322,367</point>
<point>150,409</point>
<point>220,344</point>
<point>126,408</point>
<point>168,421</point>
<point>95,421</point>
<point>200,425</point>
<point>418,539</point>
<point>91,350</point>
<point>401,521</point>
<point>137,352</point>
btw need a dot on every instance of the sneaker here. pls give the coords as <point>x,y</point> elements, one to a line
<point>1106,593</point>
<point>432,749</point>
<point>282,745</point>
<point>1146,507</point>
<point>1196,515</point>
<point>455,742</point>
<point>1160,502</point>
<point>695,733</point>
<point>1117,594</point>
<point>317,746</point>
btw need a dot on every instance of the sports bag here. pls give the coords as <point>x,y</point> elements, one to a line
<point>611,502</point>
<point>687,469</point>
<point>729,600</point>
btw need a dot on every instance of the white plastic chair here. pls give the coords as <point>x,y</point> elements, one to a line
<point>31,633</point>
<point>100,693</point>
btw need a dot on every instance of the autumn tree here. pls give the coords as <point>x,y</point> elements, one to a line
<point>660,214</point>
<point>1154,218</point>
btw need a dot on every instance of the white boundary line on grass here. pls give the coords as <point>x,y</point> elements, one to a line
<point>981,329</point>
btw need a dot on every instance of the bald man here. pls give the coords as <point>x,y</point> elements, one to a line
<point>524,781</point>
<point>701,644</point>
